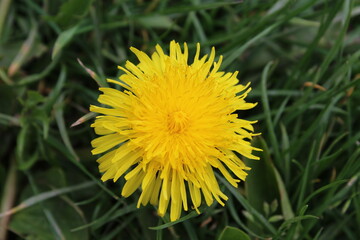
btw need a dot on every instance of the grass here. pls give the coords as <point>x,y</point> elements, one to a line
<point>301,57</point>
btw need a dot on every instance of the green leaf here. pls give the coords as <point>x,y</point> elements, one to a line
<point>32,224</point>
<point>158,21</point>
<point>276,218</point>
<point>55,177</point>
<point>63,39</point>
<point>231,233</point>
<point>34,98</point>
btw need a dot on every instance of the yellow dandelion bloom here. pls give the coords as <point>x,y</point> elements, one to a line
<point>170,127</point>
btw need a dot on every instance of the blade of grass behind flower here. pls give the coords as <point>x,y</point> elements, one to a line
<point>235,214</point>
<point>322,189</point>
<point>336,48</point>
<point>169,224</point>
<point>54,224</point>
<point>330,196</point>
<point>126,223</point>
<point>280,110</point>
<point>262,29</point>
<point>266,107</point>
<point>190,230</point>
<point>62,128</point>
<point>325,24</point>
<point>37,76</point>
<point>63,39</point>
<point>300,106</point>
<point>44,196</point>
<point>199,29</point>
<point>55,92</point>
<point>159,233</point>
<point>110,215</point>
<point>93,75</point>
<point>236,53</point>
<point>60,147</point>
<point>247,205</point>
<point>197,7</point>
<point>286,153</point>
<point>306,175</point>
<point>319,125</point>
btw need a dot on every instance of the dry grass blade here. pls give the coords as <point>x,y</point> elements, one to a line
<point>83,119</point>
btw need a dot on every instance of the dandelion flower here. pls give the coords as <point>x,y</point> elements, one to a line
<point>171,127</point>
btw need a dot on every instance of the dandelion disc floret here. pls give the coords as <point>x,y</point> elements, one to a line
<point>171,127</point>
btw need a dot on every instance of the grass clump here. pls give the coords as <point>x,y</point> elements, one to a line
<point>302,58</point>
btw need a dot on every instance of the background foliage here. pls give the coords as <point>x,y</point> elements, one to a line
<point>302,58</point>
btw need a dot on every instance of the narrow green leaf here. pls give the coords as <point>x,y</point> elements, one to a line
<point>296,220</point>
<point>237,52</point>
<point>37,76</point>
<point>63,39</point>
<point>245,203</point>
<point>231,233</point>
<point>158,22</point>
<point>197,7</point>
<point>55,93</point>
<point>112,214</point>
<point>348,4</point>
<point>169,224</point>
<point>62,127</point>
<point>191,230</point>
<point>276,218</point>
<point>61,148</point>
<point>26,156</point>
<point>322,189</point>
<point>100,81</point>
<point>44,196</point>
<point>269,121</point>
<point>284,198</point>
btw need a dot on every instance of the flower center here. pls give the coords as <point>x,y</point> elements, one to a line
<point>177,122</point>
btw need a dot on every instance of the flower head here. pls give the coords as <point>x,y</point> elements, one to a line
<point>171,126</point>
